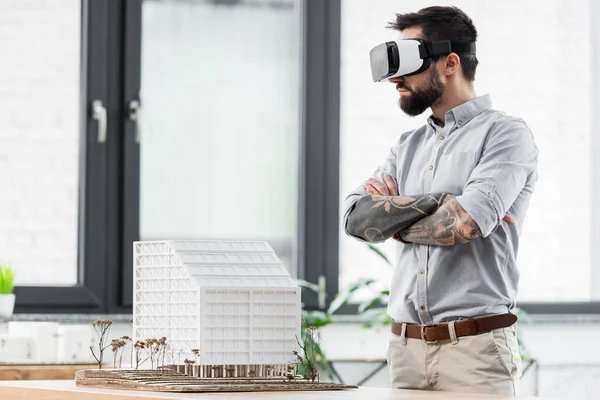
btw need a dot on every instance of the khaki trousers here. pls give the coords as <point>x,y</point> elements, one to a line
<point>484,363</point>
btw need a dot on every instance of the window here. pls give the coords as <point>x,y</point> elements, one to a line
<point>220,126</point>
<point>168,97</point>
<point>554,100</point>
<point>39,140</point>
<point>54,176</point>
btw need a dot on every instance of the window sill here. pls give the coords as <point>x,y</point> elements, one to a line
<point>68,318</point>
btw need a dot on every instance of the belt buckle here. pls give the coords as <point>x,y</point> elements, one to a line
<point>423,327</point>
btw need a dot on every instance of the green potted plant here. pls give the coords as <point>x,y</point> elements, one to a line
<point>313,320</point>
<point>7,298</point>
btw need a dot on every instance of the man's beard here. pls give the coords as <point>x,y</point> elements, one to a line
<point>421,100</point>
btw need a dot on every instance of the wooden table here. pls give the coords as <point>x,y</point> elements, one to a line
<point>55,390</point>
<point>40,371</point>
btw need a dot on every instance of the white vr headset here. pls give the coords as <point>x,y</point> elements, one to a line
<point>405,57</point>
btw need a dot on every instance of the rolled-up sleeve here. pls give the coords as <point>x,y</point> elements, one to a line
<point>508,160</point>
<point>387,168</point>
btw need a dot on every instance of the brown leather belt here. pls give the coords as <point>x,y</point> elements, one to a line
<point>465,327</point>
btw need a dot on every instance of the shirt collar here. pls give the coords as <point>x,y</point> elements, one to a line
<point>466,111</point>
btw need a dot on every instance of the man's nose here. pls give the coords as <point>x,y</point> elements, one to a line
<point>395,80</point>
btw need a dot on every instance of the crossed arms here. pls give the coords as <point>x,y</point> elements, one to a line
<point>433,219</point>
<point>375,212</point>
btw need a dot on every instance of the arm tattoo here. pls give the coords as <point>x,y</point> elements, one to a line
<point>377,218</point>
<point>450,225</point>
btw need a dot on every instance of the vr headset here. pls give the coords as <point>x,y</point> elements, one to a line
<point>405,57</point>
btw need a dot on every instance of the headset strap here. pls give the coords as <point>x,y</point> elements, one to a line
<point>445,47</point>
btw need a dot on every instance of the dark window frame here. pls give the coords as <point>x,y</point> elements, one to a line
<point>89,294</point>
<point>100,184</point>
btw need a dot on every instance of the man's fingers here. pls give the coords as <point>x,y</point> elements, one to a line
<point>378,187</point>
<point>370,189</point>
<point>397,238</point>
<point>509,220</point>
<point>391,185</point>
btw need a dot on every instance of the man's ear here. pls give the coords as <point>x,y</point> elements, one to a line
<point>452,64</point>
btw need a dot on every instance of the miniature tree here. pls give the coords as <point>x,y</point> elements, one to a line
<point>102,327</point>
<point>308,359</point>
<point>139,346</point>
<point>116,345</point>
<point>196,354</point>
<point>127,340</point>
<point>162,343</point>
<point>153,347</point>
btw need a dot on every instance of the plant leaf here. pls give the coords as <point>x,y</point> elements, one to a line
<point>315,318</point>
<point>6,279</point>
<point>379,253</point>
<point>373,303</point>
<point>308,285</point>
<point>9,280</point>
<point>343,298</point>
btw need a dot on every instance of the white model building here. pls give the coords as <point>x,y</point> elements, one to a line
<point>232,300</point>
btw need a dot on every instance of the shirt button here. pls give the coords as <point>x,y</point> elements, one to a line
<point>442,138</point>
<point>422,308</point>
<point>422,271</point>
<point>431,167</point>
<point>459,122</point>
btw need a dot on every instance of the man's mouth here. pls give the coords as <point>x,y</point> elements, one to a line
<point>402,89</point>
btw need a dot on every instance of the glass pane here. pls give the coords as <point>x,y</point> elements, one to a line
<point>554,266</point>
<point>220,125</point>
<point>39,139</point>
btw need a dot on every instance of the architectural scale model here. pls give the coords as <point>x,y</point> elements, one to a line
<point>232,302</point>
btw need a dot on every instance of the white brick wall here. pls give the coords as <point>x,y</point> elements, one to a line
<point>535,61</point>
<point>39,138</point>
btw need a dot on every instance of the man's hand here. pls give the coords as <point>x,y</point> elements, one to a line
<point>449,226</point>
<point>509,220</point>
<point>372,186</point>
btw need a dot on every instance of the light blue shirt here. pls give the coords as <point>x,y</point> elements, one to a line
<point>488,159</point>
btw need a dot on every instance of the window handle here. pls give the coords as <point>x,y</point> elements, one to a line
<point>99,114</point>
<point>134,116</point>
<point>322,292</point>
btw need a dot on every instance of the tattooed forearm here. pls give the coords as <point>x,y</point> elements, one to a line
<point>448,226</point>
<point>377,218</point>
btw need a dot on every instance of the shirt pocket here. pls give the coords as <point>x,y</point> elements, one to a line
<point>453,172</point>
